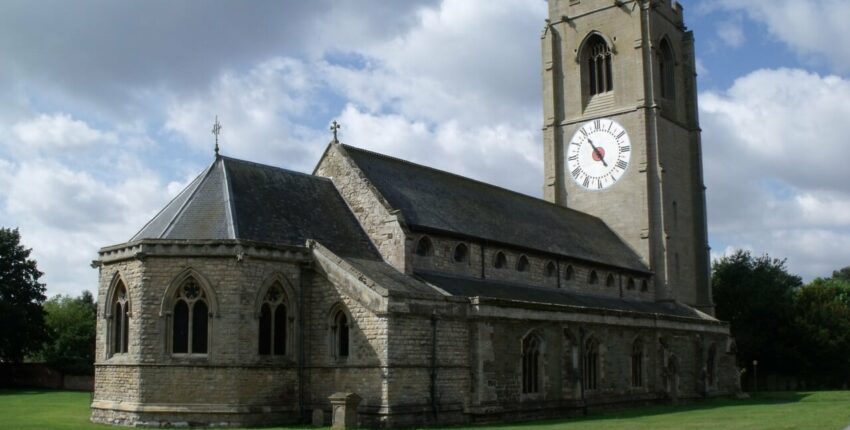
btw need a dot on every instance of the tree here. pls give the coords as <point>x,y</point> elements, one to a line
<point>71,325</point>
<point>21,297</point>
<point>822,325</point>
<point>843,273</point>
<point>756,296</point>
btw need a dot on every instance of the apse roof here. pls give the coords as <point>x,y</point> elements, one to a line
<point>431,199</point>
<point>235,199</point>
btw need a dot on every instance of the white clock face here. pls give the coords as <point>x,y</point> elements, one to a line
<point>598,154</point>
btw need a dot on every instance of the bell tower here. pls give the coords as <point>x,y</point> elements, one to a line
<point>628,65</point>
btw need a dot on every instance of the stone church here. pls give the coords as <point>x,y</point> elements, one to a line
<point>259,292</point>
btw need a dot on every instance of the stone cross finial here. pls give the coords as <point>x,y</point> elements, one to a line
<point>216,130</point>
<point>334,127</point>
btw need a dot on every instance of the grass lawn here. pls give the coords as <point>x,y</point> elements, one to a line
<point>45,409</point>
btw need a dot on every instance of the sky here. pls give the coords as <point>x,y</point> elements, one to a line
<point>106,109</point>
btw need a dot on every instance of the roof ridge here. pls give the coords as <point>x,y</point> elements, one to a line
<point>269,166</point>
<point>466,178</point>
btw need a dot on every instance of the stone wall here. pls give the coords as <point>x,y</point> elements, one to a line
<point>383,227</point>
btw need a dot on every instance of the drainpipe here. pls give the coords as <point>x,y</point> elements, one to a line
<point>482,261</point>
<point>301,354</point>
<point>581,369</point>
<point>434,365</point>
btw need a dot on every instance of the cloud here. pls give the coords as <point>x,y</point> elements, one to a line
<point>813,28</point>
<point>731,32</point>
<point>774,147</point>
<point>66,215</point>
<point>59,131</point>
<point>498,154</point>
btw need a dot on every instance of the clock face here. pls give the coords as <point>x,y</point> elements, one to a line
<point>598,154</point>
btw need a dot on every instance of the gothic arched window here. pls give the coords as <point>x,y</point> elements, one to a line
<point>522,264</point>
<point>273,322</point>
<point>609,281</point>
<point>120,319</point>
<point>593,278</point>
<point>531,364</point>
<point>190,323</point>
<point>630,285</point>
<point>667,70</point>
<point>644,285</point>
<point>637,363</point>
<point>500,261</point>
<point>340,340</point>
<point>598,69</point>
<point>591,364</point>
<point>551,269</point>
<point>570,273</point>
<point>424,247</point>
<point>461,253</point>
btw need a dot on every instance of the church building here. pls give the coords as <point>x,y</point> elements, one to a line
<point>258,292</point>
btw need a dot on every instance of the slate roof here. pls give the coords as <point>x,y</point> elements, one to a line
<point>431,199</point>
<point>235,199</point>
<point>474,287</point>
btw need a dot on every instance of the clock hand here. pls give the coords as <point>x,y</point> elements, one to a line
<point>596,150</point>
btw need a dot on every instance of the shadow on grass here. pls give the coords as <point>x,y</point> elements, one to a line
<point>26,391</point>
<point>767,398</point>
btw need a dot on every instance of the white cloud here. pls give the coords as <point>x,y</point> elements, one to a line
<point>65,215</point>
<point>812,27</point>
<point>498,154</point>
<point>59,131</point>
<point>731,32</point>
<point>261,112</point>
<point>775,147</point>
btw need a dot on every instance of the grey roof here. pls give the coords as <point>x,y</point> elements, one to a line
<point>474,287</point>
<point>431,199</point>
<point>235,199</point>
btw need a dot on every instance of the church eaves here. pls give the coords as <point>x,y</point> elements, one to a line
<point>438,201</point>
<point>236,199</point>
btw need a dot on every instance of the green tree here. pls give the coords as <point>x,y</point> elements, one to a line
<point>843,273</point>
<point>21,297</point>
<point>71,324</point>
<point>822,325</point>
<point>756,296</point>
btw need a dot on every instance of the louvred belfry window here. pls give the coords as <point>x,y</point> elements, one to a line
<point>599,70</point>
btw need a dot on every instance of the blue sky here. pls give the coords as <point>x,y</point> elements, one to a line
<point>107,108</point>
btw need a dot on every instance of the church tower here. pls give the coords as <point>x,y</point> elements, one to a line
<point>621,133</point>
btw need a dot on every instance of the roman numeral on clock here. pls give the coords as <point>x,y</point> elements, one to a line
<point>587,182</point>
<point>622,164</point>
<point>620,136</point>
<point>597,124</point>
<point>576,172</point>
<point>625,148</point>
<point>573,157</point>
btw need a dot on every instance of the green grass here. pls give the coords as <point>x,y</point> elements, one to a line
<point>45,409</point>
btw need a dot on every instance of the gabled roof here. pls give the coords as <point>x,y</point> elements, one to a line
<point>235,199</point>
<point>431,199</point>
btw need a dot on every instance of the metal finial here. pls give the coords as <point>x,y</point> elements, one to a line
<point>334,127</point>
<point>216,130</point>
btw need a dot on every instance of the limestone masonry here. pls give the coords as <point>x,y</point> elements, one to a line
<point>412,296</point>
